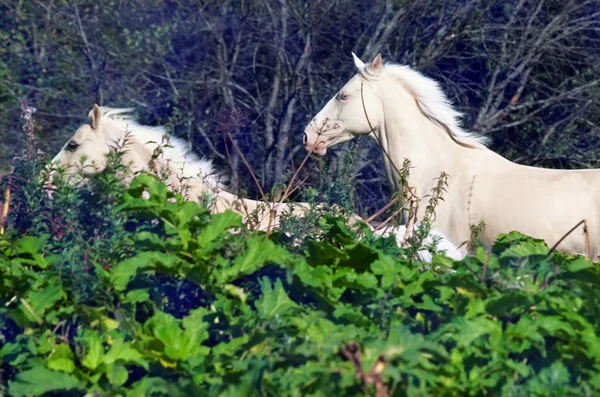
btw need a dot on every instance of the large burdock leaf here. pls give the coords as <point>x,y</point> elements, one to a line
<point>274,300</point>
<point>259,251</point>
<point>40,380</point>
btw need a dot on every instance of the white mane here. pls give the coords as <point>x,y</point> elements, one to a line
<point>434,104</point>
<point>176,151</point>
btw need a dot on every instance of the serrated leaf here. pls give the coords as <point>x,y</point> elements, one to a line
<point>258,252</point>
<point>122,351</point>
<point>129,268</point>
<point>219,223</point>
<point>61,359</point>
<point>274,301</point>
<point>94,352</point>
<point>40,380</point>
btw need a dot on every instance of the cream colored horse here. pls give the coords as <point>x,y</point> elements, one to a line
<point>113,128</point>
<point>410,117</point>
<point>142,146</point>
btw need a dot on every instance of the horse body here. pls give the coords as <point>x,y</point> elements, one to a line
<point>410,117</point>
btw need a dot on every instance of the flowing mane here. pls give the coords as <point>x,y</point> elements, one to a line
<point>434,104</point>
<point>175,150</point>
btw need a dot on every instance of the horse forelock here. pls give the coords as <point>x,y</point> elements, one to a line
<point>434,103</point>
<point>177,152</point>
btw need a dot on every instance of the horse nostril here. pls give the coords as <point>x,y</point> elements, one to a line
<point>305,139</point>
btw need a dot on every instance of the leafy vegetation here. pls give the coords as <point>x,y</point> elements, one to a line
<point>109,292</point>
<point>524,73</point>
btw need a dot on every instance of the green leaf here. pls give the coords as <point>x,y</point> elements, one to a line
<point>62,359</point>
<point>129,268</point>
<point>117,374</point>
<point>274,301</point>
<point>94,350</point>
<point>30,244</point>
<point>180,344</point>
<point>137,295</point>
<point>472,329</point>
<point>155,386</point>
<point>235,291</point>
<point>219,223</point>
<point>388,269</point>
<point>39,302</point>
<point>121,351</point>
<point>40,380</point>
<point>258,252</point>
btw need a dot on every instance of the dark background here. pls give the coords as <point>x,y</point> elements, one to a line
<point>524,73</point>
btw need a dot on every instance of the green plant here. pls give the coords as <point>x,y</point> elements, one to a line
<point>157,296</point>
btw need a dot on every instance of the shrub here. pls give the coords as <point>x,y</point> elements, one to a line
<point>106,292</point>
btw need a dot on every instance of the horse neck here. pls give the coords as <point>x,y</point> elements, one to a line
<point>407,133</point>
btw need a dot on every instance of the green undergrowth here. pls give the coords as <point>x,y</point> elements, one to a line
<point>105,292</point>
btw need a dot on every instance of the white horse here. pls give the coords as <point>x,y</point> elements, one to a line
<point>143,149</point>
<point>410,117</point>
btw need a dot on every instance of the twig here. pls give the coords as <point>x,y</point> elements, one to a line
<point>5,208</point>
<point>30,310</point>
<point>414,203</point>
<point>587,239</point>
<point>486,259</point>
<point>351,352</point>
<point>236,182</point>
<point>382,210</point>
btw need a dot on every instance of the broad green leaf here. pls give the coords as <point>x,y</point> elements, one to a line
<point>37,303</point>
<point>219,223</point>
<point>155,386</point>
<point>121,351</point>
<point>94,352</point>
<point>137,295</point>
<point>117,374</point>
<point>61,359</point>
<point>387,268</point>
<point>274,301</point>
<point>30,244</point>
<point>180,344</point>
<point>470,330</point>
<point>258,252</point>
<point>129,268</point>
<point>40,380</point>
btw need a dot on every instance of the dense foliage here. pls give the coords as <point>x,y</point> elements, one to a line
<point>108,292</point>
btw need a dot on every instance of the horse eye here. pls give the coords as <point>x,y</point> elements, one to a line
<point>343,97</point>
<point>72,146</point>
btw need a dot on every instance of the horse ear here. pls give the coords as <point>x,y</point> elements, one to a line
<point>375,66</point>
<point>357,62</point>
<point>95,116</point>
